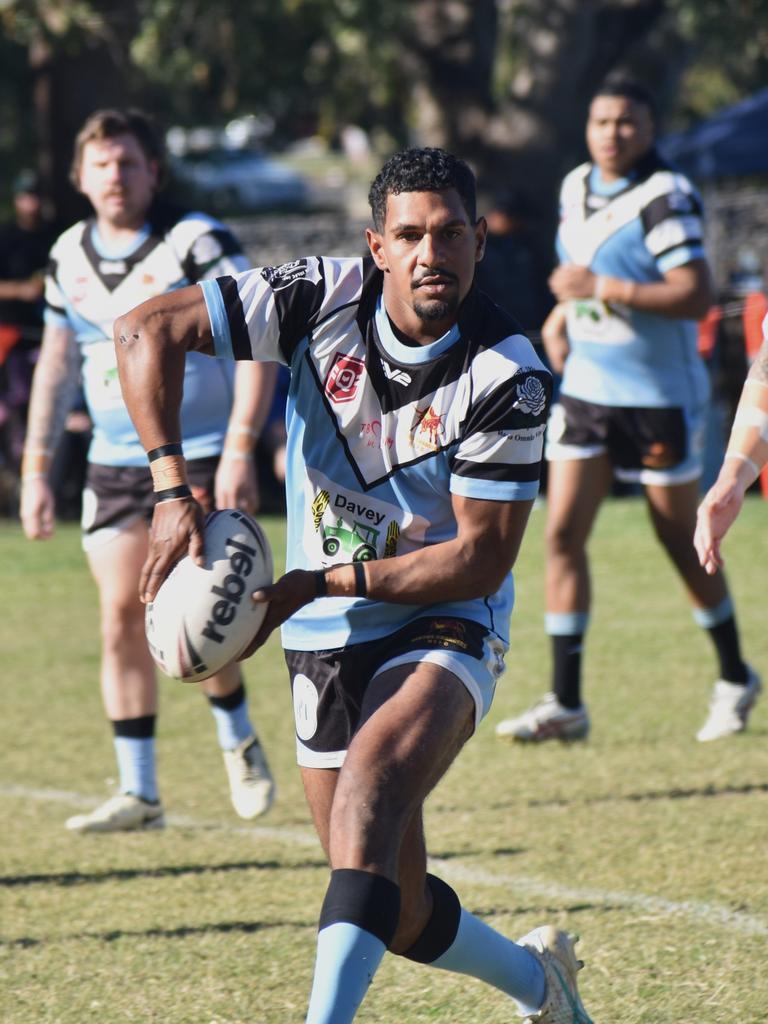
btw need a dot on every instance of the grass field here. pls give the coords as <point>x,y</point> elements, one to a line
<point>650,845</point>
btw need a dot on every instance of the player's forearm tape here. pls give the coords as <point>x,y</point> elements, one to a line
<point>751,416</point>
<point>361,585</point>
<point>173,493</point>
<point>35,462</point>
<point>168,471</point>
<point>741,457</point>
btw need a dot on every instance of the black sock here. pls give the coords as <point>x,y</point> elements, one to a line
<point>566,677</point>
<point>231,701</point>
<point>725,637</point>
<point>142,728</point>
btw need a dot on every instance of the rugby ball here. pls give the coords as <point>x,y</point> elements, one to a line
<point>202,616</point>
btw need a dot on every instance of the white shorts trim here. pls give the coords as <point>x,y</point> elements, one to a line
<point>97,539</point>
<point>460,665</point>
<point>307,758</point>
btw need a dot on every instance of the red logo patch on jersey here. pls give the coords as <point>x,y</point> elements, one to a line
<point>343,378</point>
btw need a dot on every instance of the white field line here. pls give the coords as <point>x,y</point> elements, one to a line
<point>710,913</point>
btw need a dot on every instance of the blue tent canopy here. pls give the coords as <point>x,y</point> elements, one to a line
<point>733,143</point>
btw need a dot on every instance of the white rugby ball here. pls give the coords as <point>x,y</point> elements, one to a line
<point>202,616</point>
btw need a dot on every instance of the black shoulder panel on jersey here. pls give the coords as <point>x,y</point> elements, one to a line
<point>297,300</point>
<point>672,204</point>
<point>523,403</point>
<point>228,246</point>
<point>238,329</point>
<point>373,283</point>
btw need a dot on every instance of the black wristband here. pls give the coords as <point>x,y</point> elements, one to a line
<point>321,584</point>
<point>165,449</point>
<point>361,587</point>
<point>169,493</point>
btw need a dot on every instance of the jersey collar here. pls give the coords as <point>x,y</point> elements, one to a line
<point>413,354</point>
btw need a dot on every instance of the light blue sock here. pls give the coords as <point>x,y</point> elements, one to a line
<point>233,726</point>
<point>483,953</point>
<point>136,766</point>
<point>347,959</point>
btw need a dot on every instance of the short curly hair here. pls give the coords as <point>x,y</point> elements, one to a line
<point>422,170</point>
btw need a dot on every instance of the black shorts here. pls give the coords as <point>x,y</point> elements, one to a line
<point>637,440</point>
<point>329,686</point>
<point>115,496</point>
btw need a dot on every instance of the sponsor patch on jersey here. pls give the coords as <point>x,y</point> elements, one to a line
<point>343,378</point>
<point>531,396</point>
<point>427,430</point>
<point>286,274</point>
<point>344,525</point>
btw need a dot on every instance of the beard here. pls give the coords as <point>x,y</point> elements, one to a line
<point>435,309</point>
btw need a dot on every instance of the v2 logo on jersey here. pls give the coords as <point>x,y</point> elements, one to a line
<point>392,373</point>
<point>343,378</point>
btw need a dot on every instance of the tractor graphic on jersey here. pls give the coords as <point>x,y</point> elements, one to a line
<point>358,543</point>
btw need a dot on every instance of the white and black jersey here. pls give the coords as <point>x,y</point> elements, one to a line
<point>89,286</point>
<point>382,433</point>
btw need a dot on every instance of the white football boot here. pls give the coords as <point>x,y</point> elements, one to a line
<point>554,949</point>
<point>122,813</point>
<point>729,707</point>
<point>547,720</point>
<point>251,785</point>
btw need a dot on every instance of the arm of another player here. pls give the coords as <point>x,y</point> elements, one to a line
<point>152,342</point>
<point>745,457</point>
<point>685,293</point>
<point>473,564</point>
<point>554,338</point>
<point>236,477</point>
<point>53,391</point>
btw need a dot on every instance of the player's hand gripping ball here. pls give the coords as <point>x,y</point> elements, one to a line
<point>203,617</point>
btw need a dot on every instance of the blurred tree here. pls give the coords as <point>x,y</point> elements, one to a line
<point>503,82</point>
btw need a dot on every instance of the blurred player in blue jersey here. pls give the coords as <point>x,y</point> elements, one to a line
<point>415,424</point>
<point>135,247</point>
<point>632,281</point>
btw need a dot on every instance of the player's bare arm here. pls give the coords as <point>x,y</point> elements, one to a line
<point>53,392</point>
<point>472,564</point>
<point>745,457</point>
<point>554,337</point>
<point>151,342</point>
<point>684,293</point>
<point>236,478</point>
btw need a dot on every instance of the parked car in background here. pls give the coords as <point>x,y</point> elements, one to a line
<point>230,180</point>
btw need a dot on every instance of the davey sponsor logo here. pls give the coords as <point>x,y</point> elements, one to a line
<point>343,378</point>
<point>231,591</point>
<point>361,511</point>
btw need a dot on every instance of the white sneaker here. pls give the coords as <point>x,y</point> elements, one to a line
<point>547,720</point>
<point>122,813</point>
<point>251,785</point>
<point>555,952</point>
<point>729,707</point>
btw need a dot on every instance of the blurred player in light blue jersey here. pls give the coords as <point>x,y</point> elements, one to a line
<point>632,281</point>
<point>135,247</point>
<point>415,423</point>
